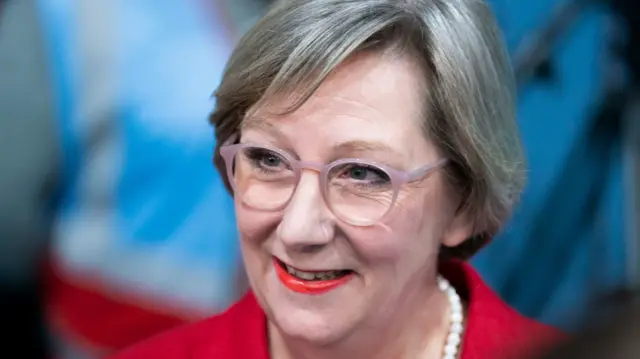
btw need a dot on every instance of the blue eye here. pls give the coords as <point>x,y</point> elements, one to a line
<point>363,173</point>
<point>265,160</point>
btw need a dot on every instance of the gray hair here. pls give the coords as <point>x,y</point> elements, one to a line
<point>470,102</point>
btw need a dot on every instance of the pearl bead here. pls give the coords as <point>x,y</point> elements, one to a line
<point>443,285</point>
<point>450,349</point>
<point>457,306</point>
<point>456,328</point>
<point>454,338</point>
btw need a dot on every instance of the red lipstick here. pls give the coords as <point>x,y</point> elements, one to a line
<point>308,286</point>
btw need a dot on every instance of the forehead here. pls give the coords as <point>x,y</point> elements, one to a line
<point>370,98</point>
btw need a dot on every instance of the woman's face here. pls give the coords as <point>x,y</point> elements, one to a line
<point>369,108</point>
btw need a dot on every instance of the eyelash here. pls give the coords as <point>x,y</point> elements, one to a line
<point>256,156</point>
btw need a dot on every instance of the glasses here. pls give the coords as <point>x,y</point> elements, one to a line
<point>358,192</point>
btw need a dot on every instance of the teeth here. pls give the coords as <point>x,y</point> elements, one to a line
<point>315,275</point>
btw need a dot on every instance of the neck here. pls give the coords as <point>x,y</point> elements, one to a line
<point>418,329</point>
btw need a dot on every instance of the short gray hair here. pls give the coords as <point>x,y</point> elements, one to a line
<point>470,102</point>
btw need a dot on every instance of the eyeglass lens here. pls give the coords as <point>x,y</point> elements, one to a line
<point>358,193</point>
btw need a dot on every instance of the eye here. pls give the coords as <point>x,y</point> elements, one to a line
<point>364,173</point>
<point>270,160</point>
<point>266,160</point>
<point>358,173</point>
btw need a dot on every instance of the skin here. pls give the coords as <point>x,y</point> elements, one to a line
<point>391,308</point>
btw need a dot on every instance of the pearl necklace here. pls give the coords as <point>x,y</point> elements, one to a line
<point>454,338</point>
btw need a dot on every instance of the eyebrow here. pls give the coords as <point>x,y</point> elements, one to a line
<point>362,146</point>
<point>343,148</point>
<point>259,123</point>
<point>385,153</point>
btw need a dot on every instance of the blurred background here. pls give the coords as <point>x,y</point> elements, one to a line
<point>114,225</point>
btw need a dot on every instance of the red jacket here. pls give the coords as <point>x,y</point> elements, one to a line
<point>493,331</point>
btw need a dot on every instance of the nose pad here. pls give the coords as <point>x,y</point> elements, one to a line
<point>306,224</point>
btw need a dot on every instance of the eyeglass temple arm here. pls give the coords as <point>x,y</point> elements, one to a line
<point>231,140</point>
<point>423,171</point>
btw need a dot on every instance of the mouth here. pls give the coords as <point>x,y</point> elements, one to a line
<point>310,282</point>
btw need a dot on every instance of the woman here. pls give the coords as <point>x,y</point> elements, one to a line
<point>370,146</point>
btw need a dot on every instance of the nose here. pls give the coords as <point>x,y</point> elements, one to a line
<point>306,224</point>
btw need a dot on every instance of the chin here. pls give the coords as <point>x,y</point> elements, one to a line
<point>311,326</point>
<point>319,319</point>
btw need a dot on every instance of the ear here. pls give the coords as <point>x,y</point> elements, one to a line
<point>460,229</point>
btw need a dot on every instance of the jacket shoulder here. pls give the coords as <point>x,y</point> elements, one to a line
<point>177,343</point>
<point>220,336</point>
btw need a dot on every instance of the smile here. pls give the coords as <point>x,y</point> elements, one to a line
<point>310,282</point>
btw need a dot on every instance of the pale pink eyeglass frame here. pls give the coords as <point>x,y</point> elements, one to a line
<point>398,178</point>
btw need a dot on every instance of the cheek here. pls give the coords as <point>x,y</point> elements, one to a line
<point>408,236</point>
<point>387,243</point>
<point>407,203</point>
<point>409,214</point>
<point>255,227</point>
<point>427,209</point>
